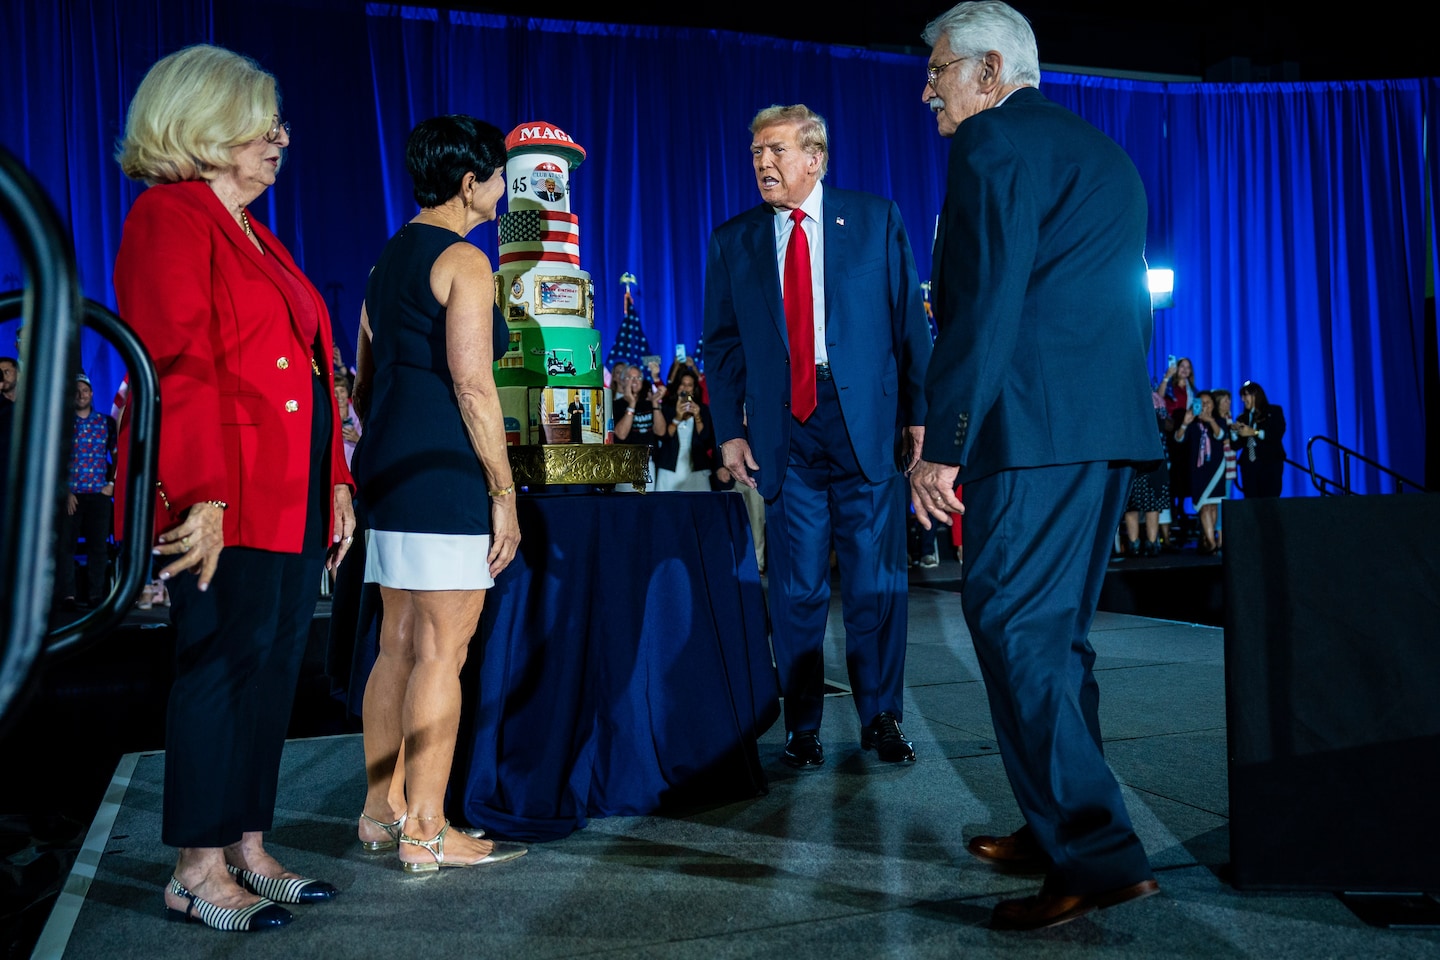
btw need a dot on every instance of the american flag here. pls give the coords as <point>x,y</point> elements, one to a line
<point>536,235</point>
<point>631,344</point>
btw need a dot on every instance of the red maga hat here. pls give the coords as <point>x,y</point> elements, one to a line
<point>537,136</point>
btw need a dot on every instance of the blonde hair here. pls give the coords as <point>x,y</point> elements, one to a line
<point>190,110</point>
<point>810,129</point>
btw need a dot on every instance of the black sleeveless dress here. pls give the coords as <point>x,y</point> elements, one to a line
<point>425,494</point>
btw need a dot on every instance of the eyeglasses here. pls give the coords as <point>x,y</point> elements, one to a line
<point>933,73</point>
<point>276,128</point>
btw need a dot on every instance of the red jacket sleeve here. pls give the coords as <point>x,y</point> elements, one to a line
<point>163,289</point>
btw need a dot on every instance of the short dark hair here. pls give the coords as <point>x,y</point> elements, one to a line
<point>442,150</point>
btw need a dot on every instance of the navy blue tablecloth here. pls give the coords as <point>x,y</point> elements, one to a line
<point>621,667</point>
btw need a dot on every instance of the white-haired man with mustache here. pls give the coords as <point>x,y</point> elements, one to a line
<point>1044,318</point>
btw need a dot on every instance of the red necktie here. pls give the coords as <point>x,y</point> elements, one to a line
<point>800,320</point>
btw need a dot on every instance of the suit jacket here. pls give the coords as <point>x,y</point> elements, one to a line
<point>876,336</point>
<point>1271,447</point>
<point>235,375</point>
<point>1040,296</point>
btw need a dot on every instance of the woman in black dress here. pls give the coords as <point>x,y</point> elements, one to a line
<point>1260,430</point>
<point>432,449</point>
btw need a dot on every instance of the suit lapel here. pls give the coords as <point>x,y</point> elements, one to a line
<point>837,254</point>
<point>937,257</point>
<point>758,239</point>
<point>269,263</point>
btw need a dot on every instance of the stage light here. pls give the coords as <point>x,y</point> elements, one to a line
<point>1162,288</point>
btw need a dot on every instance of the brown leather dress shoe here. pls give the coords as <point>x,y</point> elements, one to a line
<point>1017,853</point>
<point>1047,909</point>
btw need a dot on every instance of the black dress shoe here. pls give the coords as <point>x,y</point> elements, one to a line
<point>885,737</point>
<point>1049,909</point>
<point>802,749</point>
<point>1017,853</point>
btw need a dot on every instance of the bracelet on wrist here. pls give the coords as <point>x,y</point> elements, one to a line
<point>503,491</point>
<point>217,503</point>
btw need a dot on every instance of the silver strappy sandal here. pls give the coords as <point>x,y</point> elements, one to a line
<point>393,829</point>
<point>500,853</point>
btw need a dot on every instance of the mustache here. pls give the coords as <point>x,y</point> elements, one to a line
<point>937,104</point>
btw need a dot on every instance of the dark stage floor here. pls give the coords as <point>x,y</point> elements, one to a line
<point>857,859</point>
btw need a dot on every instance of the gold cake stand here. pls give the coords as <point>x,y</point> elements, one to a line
<point>587,463</point>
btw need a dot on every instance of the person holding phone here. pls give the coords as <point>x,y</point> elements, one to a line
<point>636,418</point>
<point>1201,434</point>
<point>1177,390</point>
<point>685,456</point>
<point>1260,430</point>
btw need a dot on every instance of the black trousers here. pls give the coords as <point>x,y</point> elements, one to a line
<point>238,650</point>
<point>90,520</point>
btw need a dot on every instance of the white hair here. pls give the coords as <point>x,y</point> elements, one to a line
<point>974,29</point>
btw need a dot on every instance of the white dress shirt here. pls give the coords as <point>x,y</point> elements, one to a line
<point>815,234</point>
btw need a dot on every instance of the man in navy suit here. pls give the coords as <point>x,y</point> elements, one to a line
<point>1039,402</point>
<point>816,346</point>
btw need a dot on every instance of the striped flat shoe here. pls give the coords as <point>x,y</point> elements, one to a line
<point>393,829</point>
<point>294,890</point>
<point>262,915</point>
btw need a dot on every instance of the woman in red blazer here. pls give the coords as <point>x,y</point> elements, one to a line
<point>252,491</point>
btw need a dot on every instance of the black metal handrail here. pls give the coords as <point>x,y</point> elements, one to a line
<point>142,413</point>
<point>50,304</point>
<point>1341,487</point>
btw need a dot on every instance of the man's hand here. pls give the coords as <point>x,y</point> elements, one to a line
<point>914,447</point>
<point>932,491</point>
<point>736,456</point>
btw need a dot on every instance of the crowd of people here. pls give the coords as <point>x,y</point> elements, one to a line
<point>826,405</point>
<point>1209,451</point>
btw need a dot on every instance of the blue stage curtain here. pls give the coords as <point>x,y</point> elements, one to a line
<point>1293,214</point>
<point>1298,231</point>
<point>664,117</point>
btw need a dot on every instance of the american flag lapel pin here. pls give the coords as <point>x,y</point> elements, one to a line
<point>839,221</point>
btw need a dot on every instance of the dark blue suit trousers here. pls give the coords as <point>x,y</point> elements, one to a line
<point>826,499</point>
<point>1030,590</point>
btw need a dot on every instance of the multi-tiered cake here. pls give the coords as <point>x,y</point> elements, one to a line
<point>551,380</point>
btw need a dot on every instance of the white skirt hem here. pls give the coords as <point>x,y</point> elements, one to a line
<point>427,561</point>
